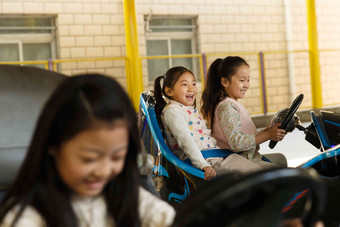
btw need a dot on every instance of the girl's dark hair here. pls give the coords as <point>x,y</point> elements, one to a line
<point>214,91</point>
<point>73,107</point>
<point>169,80</point>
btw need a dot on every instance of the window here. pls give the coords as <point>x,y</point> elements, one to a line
<point>170,36</point>
<point>24,38</point>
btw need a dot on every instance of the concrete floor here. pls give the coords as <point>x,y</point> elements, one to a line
<point>294,147</point>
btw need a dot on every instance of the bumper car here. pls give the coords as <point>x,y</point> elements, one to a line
<point>324,134</point>
<point>179,183</point>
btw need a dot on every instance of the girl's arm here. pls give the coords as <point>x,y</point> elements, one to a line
<point>229,118</point>
<point>174,119</point>
<point>268,133</point>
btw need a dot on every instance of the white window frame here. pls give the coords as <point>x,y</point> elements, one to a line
<point>18,42</point>
<point>29,38</point>
<point>175,36</point>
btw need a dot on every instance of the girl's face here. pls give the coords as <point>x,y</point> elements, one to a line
<point>239,84</point>
<point>184,90</point>
<point>88,161</point>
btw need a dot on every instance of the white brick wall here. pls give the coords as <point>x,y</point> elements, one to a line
<point>13,7</point>
<point>88,29</point>
<point>33,7</point>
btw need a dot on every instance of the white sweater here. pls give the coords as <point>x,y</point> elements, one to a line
<point>92,212</point>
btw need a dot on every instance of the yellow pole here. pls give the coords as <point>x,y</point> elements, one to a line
<point>314,63</point>
<point>202,71</point>
<point>134,74</point>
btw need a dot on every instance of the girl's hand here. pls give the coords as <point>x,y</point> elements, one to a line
<point>276,134</point>
<point>209,173</point>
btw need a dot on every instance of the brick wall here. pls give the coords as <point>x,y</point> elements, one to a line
<point>233,27</point>
<point>329,38</point>
<point>252,26</point>
<point>91,29</point>
<point>85,29</point>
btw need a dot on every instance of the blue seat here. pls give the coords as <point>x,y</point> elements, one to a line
<point>147,105</point>
<point>174,178</point>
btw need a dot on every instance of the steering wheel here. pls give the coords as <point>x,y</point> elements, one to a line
<point>292,110</point>
<point>262,198</point>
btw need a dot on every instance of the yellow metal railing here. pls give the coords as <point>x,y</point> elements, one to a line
<point>203,66</point>
<point>262,67</point>
<point>52,65</point>
<point>54,62</point>
<point>58,61</point>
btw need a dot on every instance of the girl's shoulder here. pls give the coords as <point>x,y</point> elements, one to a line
<point>231,105</point>
<point>228,103</point>
<point>29,217</point>
<point>154,211</point>
<point>229,100</point>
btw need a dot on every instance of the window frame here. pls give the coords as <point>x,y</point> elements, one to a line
<point>176,35</point>
<point>31,38</point>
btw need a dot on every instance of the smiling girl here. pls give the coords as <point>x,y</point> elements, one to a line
<point>186,131</point>
<point>80,169</point>
<point>228,80</point>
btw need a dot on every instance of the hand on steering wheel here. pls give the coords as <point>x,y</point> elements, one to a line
<point>292,110</point>
<point>276,133</point>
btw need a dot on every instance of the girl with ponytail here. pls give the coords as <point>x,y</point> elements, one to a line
<point>228,80</point>
<point>186,131</point>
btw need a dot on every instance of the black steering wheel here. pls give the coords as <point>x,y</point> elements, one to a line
<point>262,198</point>
<point>292,110</point>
